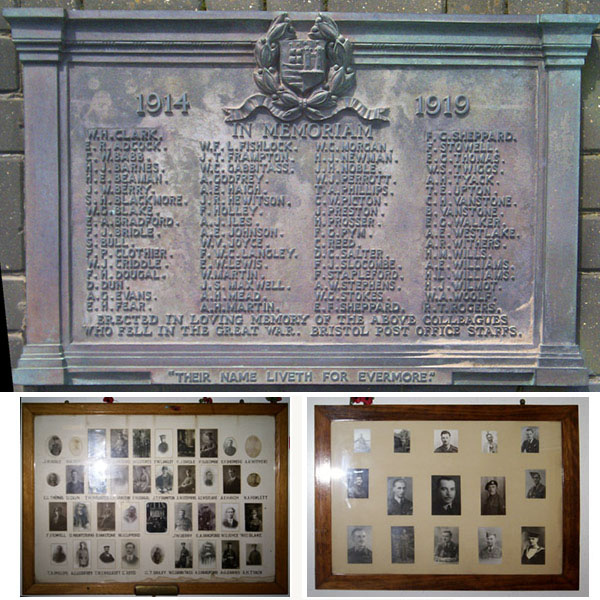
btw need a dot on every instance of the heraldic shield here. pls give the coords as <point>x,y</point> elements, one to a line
<point>302,63</point>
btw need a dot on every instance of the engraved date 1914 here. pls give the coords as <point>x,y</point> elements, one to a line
<point>154,104</point>
<point>433,106</point>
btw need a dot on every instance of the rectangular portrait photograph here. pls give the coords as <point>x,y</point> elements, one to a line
<point>403,544</point>
<point>358,483</point>
<point>445,494</point>
<point>445,544</point>
<point>489,540</point>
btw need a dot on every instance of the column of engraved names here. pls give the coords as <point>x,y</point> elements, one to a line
<point>127,213</point>
<point>470,223</point>
<point>353,190</point>
<point>243,257</point>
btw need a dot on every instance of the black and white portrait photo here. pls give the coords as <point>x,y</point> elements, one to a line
<point>445,544</point>
<point>52,479</point>
<point>445,495</point>
<point>156,517</point>
<point>97,477</point>
<point>229,446</point>
<point>362,440</point>
<point>358,483</point>
<point>489,442</point>
<point>186,479</point>
<point>74,477</point>
<point>142,480</point>
<point>489,540</point>
<point>206,516</point>
<point>119,479</point>
<point>230,517</point>
<point>183,555</point>
<point>209,480</point>
<point>142,443</point>
<point>532,545</point>
<point>75,445</point>
<point>253,555</point>
<point>106,516</point>
<point>106,553</point>
<point>186,443</point>
<point>183,516</point>
<point>57,516</point>
<point>530,439</point>
<point>81,516</point>
<point>209,439</point>
<point>493,494</point>
<point>164,443</point>
<point>207,554</point>
<point>55,445</point>
<point>130,520</point>
<point>230,554</point>
<point>399,496</point>
<point>445,441</point>
<point>96,443</point>
<point>403,544</point>
<point>402,441</point>
<point>253,446</point>
<point>535,483</point>
<point>164,479</point>
<point>232,482</point>
<point>119,443</point>
<point>253,515</point>
<point>157,554</point>
<point>81,558</point>
<point>58,554</point>
<point>130,558</point>
<point>360,544</point>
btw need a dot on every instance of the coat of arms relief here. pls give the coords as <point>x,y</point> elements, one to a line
<point>311,77</point>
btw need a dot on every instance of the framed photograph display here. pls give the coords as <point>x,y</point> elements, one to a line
<point>478,498</point>
<point>155,498</point>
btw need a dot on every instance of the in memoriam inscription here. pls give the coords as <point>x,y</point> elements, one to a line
<point>382,213</point>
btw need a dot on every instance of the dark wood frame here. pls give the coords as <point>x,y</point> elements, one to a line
<point>279,411</point>
<point>568,417</point>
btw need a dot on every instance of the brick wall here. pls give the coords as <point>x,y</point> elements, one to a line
<point>11,137</point>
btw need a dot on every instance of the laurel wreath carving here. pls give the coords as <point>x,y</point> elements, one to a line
<point>341,76</point>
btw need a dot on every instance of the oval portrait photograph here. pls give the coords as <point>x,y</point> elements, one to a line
<point>55,445</point>
<point>253,446</point>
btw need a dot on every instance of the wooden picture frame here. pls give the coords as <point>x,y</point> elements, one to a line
<point>325,468</point>
<point>279,584</point>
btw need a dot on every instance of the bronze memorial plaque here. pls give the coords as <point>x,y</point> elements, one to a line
<point>262,198</point>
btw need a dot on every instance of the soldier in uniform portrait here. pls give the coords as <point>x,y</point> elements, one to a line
<point>538,489</point>
<point>358,545</point>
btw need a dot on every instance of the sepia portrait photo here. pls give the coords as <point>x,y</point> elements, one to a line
<point>130,520</point>
<point>358,483</point>
<point>362,440</point>
<point>119,443</point>
<point>253,446</point>
<point>530,439</point>
<point>81,557</point>
<point>253,479</point>
<point>360,544</point>
<point>55,445</point>
<point>183,554</point>
<point>186,443</point>
<point>253,555</point>
<point>489,442</point>
<point>130,558</point>
<point>232,481</point>
<point>445,494</point>
<point>229,446</point>
<point>141,442</point>
<point>493,495</point>
<point>209,443</point>
<point>106,517</point>
<point>403,544</point>
<point>489,540</point>
<point>142,480</point>
<point>209,480</point>
<point>186,479</point>
<point>58,554</point>
<point>445,544</point>
<point>156,517</point>
<point>164,479</point>
<point>164,443</point>
<point>183,516</point>
<point>402,441</point>
<point>445,441</point>
<point>207,554</point>
<point>207,516</point>
<point>52,479</point>
<point>106,553</point>
<point>535,483</point>
<point>230,516</point>
<point>81,516</point>
<point>253,515</point>
<point>230,554</point>
<point>399,496</point>
<point>157,554</point>
<point>74,477</point>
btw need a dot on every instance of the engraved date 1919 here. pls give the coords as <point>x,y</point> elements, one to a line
<point>154,104</point>
<point>433,106</point>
